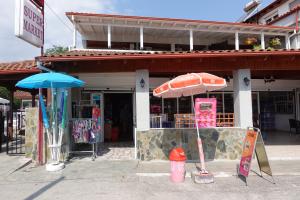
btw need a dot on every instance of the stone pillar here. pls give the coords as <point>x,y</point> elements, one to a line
<point>142,100</point>
<point>242,98</point>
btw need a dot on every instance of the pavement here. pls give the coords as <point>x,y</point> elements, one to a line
<point>131,179</point>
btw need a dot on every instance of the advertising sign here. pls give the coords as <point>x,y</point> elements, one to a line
<point>39,2</point>
<point>247,153</point>
<point>206,112</point>
<point>29,23</point>
<point>261,155</point>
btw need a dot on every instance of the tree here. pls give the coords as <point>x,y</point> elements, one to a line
<point>56,50</point>
<point>4,93</point>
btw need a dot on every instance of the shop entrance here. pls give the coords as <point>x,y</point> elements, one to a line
<point>118,117</point>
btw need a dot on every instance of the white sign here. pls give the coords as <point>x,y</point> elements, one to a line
<point>29,23</point>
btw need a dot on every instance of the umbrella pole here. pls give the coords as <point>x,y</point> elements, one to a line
<point>63,120</point>
<point>54,128</point>
<point>199,141</point>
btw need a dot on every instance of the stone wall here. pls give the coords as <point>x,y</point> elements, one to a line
<point>218,143</point>
<point>31,132</point>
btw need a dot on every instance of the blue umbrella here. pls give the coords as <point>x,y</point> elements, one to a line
<point>54,81</point>
<point>50,80</point>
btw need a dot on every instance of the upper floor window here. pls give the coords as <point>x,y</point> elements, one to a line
<point>294,4</point>
<point>271,17</point>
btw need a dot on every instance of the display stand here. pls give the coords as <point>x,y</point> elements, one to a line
<point>85,131</point>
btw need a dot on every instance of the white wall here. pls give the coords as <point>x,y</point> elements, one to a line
<point>113,81</point>
<point>286,21</point>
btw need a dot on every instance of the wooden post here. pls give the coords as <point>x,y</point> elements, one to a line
<point>33,95</point>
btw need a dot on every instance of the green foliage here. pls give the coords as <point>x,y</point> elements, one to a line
<point>4,93</point>
<point>257,47</point>
<point>56,50</point>
<point>275,42</point>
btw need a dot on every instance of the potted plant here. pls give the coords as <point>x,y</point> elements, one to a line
<point>275,42</point>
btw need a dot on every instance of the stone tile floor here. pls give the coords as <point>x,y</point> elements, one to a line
<point>109,151</point>
<point>116,151</point>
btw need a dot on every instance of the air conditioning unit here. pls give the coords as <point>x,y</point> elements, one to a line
<point>251,5</point>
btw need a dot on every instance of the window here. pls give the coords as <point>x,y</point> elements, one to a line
<point>294,4</point>
<point>219,97</point>
<point>283,103</point>
<point>271,17</point>
<point>228,103</point>
<point>170,108</point>
<point>185,105</point>
<point>155,105</point>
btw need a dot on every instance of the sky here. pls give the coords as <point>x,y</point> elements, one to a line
<point>58,31</point>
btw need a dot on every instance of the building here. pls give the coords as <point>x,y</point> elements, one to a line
<point>280,13</point>
<point>125,57</point>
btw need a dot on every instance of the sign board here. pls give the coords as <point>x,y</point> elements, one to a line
<point>39,2</point>
<point>247,153</point>
<point>261,156</point>
<point>254,142</point>
<point>206,112</point>
<point>29,22</point>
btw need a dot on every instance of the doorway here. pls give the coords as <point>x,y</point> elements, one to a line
<point>118,117</point>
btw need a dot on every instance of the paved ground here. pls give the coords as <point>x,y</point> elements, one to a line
<point>85,179</point>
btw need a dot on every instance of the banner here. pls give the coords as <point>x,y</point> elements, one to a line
<point>29,23</point>
<point>247,153</point>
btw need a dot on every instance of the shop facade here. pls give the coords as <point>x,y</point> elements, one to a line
<point>124,59</point>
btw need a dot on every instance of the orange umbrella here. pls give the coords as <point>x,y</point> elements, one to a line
<point>188,85</point>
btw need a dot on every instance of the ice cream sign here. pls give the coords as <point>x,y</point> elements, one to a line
<point>29,22</point>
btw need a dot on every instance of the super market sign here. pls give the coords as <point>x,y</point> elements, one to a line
<point>29,23</point>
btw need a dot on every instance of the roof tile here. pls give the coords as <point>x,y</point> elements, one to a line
<point>26,66</point>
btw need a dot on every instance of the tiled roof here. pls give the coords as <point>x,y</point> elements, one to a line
<point>22,95</point>
<point>27,66</point>
<point>111,55</point>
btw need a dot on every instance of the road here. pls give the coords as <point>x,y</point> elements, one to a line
<point>120,180</point>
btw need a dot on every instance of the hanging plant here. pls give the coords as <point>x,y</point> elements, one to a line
<point>250,41</point>
<point>275,42</point>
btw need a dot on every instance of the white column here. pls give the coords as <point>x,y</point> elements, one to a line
<point>141,38</point>
<point>242,98</point>
<point>287,42</point>
<point>109,36</point>
<point>262,41</point>
<point>191,40</point>
<point>237,41</point>
<point>74,33</point>
<point>142,100</point>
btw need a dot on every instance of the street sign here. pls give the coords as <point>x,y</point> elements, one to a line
<point>29,22</point>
